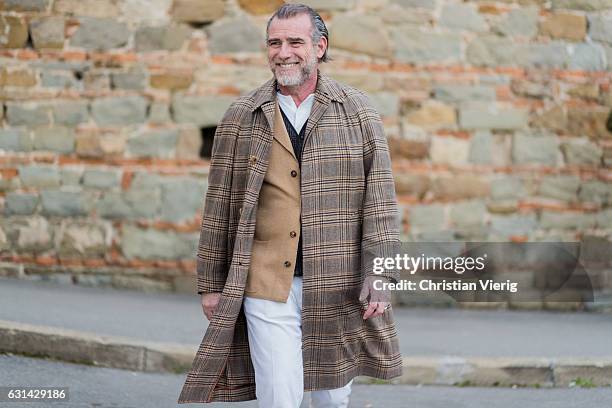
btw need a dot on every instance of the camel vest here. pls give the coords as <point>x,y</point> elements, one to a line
<point>277,228</point>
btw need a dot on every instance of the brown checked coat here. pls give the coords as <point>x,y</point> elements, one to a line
<point>348,206</point>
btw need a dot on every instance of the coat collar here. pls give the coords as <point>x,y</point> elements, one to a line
<point>326,88</point>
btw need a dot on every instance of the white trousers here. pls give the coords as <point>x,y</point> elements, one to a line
<point>275,341</point>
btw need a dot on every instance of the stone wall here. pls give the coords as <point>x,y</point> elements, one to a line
<point>495,113</point>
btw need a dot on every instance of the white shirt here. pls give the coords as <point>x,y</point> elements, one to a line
<point>297,115</point>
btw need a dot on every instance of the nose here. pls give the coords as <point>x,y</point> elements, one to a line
<point>285,50</point>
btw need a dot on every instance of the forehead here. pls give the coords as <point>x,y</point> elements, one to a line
<point>297,26</point>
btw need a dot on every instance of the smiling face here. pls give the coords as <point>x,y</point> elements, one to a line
<point>292,56</point>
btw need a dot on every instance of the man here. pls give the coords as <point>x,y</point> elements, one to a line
<point>300,198</point>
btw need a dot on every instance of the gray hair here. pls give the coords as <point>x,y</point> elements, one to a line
<point>318,26</point>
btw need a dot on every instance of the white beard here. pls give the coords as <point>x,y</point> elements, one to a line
<point>296,76</point>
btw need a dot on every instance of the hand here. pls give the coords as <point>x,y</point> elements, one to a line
<point>379,300</point>
<point>209,303</point>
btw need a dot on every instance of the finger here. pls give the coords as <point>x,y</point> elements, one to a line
<point>363,295</point>
<point>380,309</point>
<point>369,310</point>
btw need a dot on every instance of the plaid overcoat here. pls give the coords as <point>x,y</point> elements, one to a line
<point>348,206</point>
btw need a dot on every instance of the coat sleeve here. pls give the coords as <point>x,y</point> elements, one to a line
<point>212,252</point>
<point>381,223</point>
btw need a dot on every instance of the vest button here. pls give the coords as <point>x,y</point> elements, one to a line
<point>287,264</point>
<point>293,173</point>
<point>292,234</point>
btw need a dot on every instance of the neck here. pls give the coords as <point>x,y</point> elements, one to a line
<point>300,92</point>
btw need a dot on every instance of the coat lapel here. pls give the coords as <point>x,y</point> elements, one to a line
<point>320,105</point>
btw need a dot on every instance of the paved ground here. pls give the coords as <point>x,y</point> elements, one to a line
<point>422,332</point>
<point>92,387</point>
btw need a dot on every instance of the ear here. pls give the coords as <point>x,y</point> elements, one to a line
<point>321,47</point>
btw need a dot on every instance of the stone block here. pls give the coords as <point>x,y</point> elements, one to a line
<point>507,187</point>
<point>461,186</point>
<point>102,178</point>
<point>197,11</point>
<point>266,7</point>
<point>588,121</point>
<point>553,54</point>
<point>563,188</point>
<point>415,46</point>
<point>189,144</point>
<point>587,57</point>
<point>70,176</point>
<point>468,214</point>
<point>119,110</point>
<point>140,13</point>
<point>170,38</point>
<point>363,34</point>
<point>182,198</point>
<point>432,115</point>
<point>91,8</point>
<point>491,51</point>
<point>462,17</point>
<point>25,5</point>
<point>534,149</point>
<point>60,79</point>
<point>20,203</point>
<point>519,22</point>
<point>600,27</point>
<point>28,234</point>
<point>426,4</point>
<point>449,150</point>
<point>134,204</point>
<point>505,226</point>
<point>137,243</point>
<point>64,202</point>
<point>82,239</point>
<point>583,5</point>
<point>603,218</point>
<point>15,140</point>
<point>481,115</point>
<point>133,79</point>
<point>100,144</point>
<point>171,80</point>
<point>55,139</point>
<point>565,26</point>
<point>159,113</point>
<point>582,152</point>
<point>411,184</point>
<point>154,143</point>
<point>202,111</point>
<point>48,32</point>
<point>17,77</point>
<point>458,93</point>
<point>39,176</point>
<point>100,34</point>
<point>554,119</point>
<point>566,220</point>
<point>430,217</point>
<point>15,31</point>
<point>234,35</point>
<point>536,87</point>
<point>69,113</point>
<point>595,191</point>
<point>490,149</point>
<point>28,114</point>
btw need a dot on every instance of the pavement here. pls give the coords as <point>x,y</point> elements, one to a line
<point>160,333</point>
<point>100,387</point>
